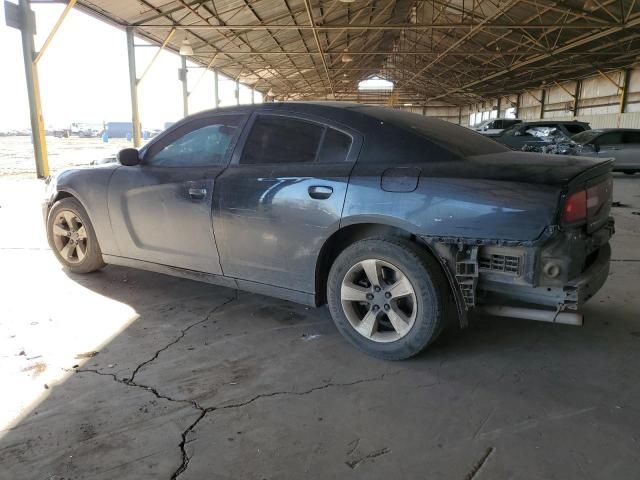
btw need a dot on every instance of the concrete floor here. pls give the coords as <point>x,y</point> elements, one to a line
<point>128,374</point>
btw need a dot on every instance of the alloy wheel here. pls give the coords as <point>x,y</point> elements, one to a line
<point>70,237</point>
<point>379,300</point>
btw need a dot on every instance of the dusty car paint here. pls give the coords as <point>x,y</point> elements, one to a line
<point>258,227</point>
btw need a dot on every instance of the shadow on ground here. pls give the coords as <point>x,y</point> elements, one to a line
<point>195,381</point>
<point>207,383</point>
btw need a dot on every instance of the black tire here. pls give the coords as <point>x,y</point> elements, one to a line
<point>431,288</point>
<point>629,172</point>
<point>92,258</point>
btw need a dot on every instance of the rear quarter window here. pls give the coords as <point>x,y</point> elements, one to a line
<point>335,147</point>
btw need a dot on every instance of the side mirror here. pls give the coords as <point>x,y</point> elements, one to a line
<point>596,147</point>
<point>129,157</point>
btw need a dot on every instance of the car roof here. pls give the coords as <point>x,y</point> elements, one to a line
<point>349,113</point>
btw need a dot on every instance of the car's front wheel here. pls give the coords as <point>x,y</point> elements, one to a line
<point>387,297</point>
<point>72,238</point>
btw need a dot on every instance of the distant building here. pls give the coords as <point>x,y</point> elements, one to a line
<point>119,129</point>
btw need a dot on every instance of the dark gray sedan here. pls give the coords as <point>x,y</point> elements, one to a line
<point>397,221</point>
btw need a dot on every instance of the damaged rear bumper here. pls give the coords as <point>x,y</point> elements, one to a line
<point>572,295</point>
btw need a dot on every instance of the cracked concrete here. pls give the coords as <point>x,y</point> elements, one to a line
<point>194,381</point>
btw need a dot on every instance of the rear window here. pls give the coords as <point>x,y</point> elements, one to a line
<point>454,138</point>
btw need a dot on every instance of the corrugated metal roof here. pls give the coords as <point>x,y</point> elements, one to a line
<point>459,51</point>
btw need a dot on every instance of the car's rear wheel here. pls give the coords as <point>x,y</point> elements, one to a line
<point>387,297</point>
<point>72,238</point>
<point>629,172</point>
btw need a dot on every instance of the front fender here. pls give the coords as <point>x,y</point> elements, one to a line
<point>90,187</point>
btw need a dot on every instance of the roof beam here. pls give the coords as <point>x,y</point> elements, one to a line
<point>317,39</point>
<point>537,58</point>
<point>397,26</point>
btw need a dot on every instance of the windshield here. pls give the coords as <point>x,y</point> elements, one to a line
<point>551,134</point>
<point>586,136</point>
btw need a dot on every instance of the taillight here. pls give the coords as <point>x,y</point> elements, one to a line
<point>575,207</point>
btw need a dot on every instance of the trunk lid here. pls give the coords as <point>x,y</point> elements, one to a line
<point>557,170</point>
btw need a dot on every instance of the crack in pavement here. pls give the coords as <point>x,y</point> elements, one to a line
<point>352,464</point>
<point>130,382</point>
<point>204,411</point>
<point>186,458</point>
<point>180,337</point>
<point>479,464</point>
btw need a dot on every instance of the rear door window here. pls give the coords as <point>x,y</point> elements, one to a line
<point>278,139</point>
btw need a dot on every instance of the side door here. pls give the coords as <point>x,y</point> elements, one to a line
<point>282,197</point>
<point>629,155</point>
<point>610,145</point>
<point>160,210</point>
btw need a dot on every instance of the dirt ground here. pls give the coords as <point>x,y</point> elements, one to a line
<point>128,374</point>
<point>16,153</point>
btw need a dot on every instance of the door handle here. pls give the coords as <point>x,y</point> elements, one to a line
<point>320,192</point>
<point>197,193</point>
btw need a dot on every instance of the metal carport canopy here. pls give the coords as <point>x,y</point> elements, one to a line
<point>459,51</point>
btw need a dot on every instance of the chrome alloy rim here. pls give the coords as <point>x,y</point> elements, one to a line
<point>70,236</point>
<point>378,300</point>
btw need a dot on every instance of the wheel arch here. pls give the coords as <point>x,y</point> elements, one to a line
<point>63,194</point>
<point>352,233</point>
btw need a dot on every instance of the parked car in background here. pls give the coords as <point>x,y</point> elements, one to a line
<point>621,144</point>
<point>398,221</point>
<point>495,126</point>
<point>533,136</point>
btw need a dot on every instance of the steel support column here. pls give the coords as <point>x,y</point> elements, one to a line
<point>133,87</point>
<point>624,93</point>
<point>216,94</point>
<point>185,91</point>
<point>542,102</point>
<point>253,96</point>
<point>236,91</point>
<point>576,97</point>
<point>517,112</point>
<point>33,90</point>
